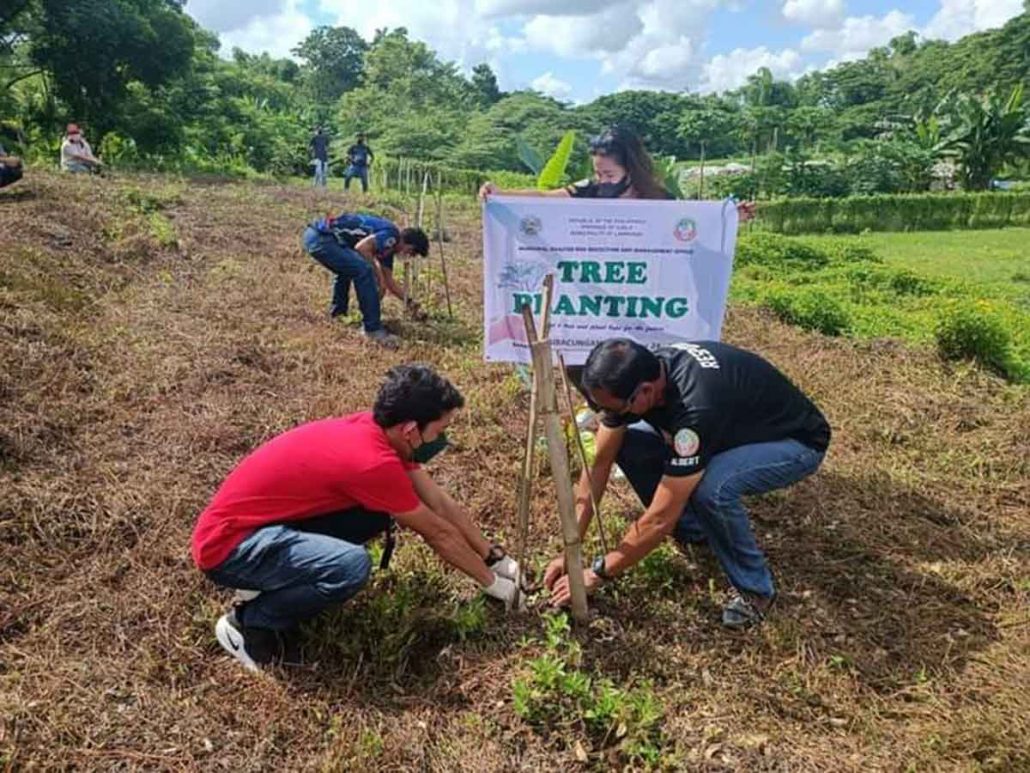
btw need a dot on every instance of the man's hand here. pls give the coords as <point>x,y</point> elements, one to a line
<point>554,571</point>
<point>488,189</point>
<point>505,591</point>
<point>561,594</point>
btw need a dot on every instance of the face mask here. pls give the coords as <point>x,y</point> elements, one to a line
<point>427,451</point>
<point>613,190</point>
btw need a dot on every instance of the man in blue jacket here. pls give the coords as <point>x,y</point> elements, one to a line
<point>360,249</point>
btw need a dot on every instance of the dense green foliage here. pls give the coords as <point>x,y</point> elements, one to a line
<point>151,90</point>
<point>925,212</point>
<point>839,286</point>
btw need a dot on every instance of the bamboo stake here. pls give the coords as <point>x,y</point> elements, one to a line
<point>582,452</point>
<point>439,242</point>
<point>547,408</point>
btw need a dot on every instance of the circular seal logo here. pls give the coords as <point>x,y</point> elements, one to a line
<point>686,230</point>
<point>530,225</point>
<point>686,442</point>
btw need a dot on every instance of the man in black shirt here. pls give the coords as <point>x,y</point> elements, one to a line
<point>10,168</point>
<point>695,427</point>
<point>359,156</point>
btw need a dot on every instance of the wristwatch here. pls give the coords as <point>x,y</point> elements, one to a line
<point>598,568</point>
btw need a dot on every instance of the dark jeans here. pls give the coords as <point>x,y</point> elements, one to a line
<point>352,171</point>
<point>301,567</point>
<point>349,267</point>
<point>715,511</point>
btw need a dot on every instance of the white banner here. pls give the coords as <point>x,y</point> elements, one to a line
<point>654,271</point>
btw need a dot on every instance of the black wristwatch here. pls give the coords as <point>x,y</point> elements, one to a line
<point>496,554</point>
<point>598,568</point>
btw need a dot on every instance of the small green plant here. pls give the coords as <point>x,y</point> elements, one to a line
<point>809,308</point>
<point>555,694</point>
<point>973,331</point>
<point>779,252</point>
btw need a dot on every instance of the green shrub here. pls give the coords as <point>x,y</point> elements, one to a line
<point>901,212</point>
<point>776,251</point>
<point>967,330</point>
<point>808,308</point>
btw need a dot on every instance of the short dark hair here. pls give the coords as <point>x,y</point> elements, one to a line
<point>417,238</point>
<point>619,366</point>
<point>414,393</point>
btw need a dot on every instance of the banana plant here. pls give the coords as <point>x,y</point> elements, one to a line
<point>549,174</point>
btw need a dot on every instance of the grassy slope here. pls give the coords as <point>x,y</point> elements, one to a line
<point>135,369</point>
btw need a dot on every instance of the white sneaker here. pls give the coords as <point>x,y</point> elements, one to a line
<point>242,595</point>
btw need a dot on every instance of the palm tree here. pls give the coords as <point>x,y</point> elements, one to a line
<point>985,134</point>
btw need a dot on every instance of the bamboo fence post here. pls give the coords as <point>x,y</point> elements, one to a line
<point>439,240</point>
<point>547,410</point>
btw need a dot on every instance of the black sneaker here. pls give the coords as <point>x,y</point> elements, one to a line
<point>745,610</point>
<point>253,647</point>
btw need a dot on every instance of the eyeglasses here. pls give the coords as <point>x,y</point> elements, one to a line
<point>626,404</point>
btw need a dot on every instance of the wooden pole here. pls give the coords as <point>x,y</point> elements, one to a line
<point>547,409</point>
<point>439,244</point>
<point>582,452</point>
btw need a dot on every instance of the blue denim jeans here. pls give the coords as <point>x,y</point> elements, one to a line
<point>715,511</point>
<point>320,171</point>
<point>361,172</point>
<point>301,567</point>
<point>348,266</point>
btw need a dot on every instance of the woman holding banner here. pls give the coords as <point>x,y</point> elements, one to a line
<point>622,170</point>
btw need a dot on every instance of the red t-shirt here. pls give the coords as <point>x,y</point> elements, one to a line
<point>314,469</point>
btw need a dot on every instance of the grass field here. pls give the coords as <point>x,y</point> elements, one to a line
<point>996,261</point>
<point>152,332</point>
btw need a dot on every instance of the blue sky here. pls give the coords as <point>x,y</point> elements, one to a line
<point>577,50</point>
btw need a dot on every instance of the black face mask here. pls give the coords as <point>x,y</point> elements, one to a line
<point>427,451</point>
<point>613,190</point>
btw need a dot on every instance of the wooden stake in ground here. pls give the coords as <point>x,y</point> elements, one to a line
<point>439,242</point>
<point>582,452</point>
<point>547,408</point>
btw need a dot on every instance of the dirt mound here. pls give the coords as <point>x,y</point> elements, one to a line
<point>151,333</point>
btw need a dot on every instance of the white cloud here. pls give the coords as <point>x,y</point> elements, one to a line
<point>275,34</point>
<point>815,13</point>
<point>551,86</point>
<point>730,71</point>
<point>500,8</point>
<point>220,16</point>
<point>858,34</point>
<point>957,18</point>
<point>605,32</point>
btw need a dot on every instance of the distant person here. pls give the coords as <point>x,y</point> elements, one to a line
<point>288,527</point>
<point>695,427</point>
<point>359,157</point>
<point>76,154</point>
<point>10,168</point>
<point>360,249</point>
<point>318,147</point>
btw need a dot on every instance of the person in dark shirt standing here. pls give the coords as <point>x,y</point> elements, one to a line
<point>10,168</point>
<point>360,248</point>
<point>318,147</point>
<point>359,156</point>
<point>695,427</point>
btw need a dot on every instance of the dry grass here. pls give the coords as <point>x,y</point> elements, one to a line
<point>136,366</point>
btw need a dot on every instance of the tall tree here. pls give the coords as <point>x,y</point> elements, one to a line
<point>484,85</point>
<point>333,58</point>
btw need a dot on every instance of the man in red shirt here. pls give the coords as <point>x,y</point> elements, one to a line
<point>287,526</point>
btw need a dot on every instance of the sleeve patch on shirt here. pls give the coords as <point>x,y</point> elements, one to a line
<point>686,443</point>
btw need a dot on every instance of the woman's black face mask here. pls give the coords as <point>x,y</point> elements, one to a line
<point>613,190</point>
<point>427,451</point>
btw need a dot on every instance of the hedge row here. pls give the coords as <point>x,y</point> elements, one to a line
<point>407,176</point>
<point>911,212</point>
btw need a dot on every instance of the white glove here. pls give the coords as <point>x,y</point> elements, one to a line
<point>507,567</point>
<point>505,591</point>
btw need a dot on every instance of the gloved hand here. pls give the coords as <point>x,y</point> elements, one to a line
<point>505,566</point>
<point>505,591</point>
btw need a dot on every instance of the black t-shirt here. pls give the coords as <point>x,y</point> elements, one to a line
<point>720,397</point>
<point>589,189</point>
<point>359,154</point>
<point>320,147</point>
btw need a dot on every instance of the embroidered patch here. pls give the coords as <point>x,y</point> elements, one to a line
<point>686,442</point>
